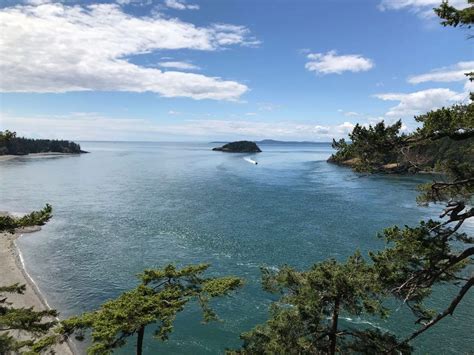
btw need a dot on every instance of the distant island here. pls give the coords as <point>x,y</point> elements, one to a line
<point>10,144</point>
<point>239,147</point>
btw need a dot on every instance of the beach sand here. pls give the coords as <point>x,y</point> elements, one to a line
<point>12,271</point>
<point>34,156</point>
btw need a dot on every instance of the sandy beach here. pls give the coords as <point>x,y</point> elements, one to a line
<point>34,156</point>
<point>12,271</point>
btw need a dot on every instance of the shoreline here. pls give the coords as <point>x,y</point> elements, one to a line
<point>13,270</point>
<point>36,155</point>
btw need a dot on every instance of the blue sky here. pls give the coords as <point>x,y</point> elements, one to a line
<point>224,69</point>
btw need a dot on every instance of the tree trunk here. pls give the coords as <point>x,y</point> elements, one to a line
<point>333,335</point>
<point>141,332</point>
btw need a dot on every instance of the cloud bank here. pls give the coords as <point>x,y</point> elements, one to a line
<point>54,48</point>
<point>92,126</point>
<point>419,102</point>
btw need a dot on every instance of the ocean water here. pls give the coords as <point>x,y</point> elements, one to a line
<point>130,206</point>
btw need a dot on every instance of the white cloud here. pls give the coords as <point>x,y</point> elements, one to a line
<point>134,2</point>
<point>179,65</point>
<point>180,5</point>
<point>331,63</point>
<point>38,2</point>
<point>420,101</point>
<point>92,126</point>
<point>418,5</point>
<point>448,74</point>
<point>351,114</point>
<point>423,8</point>
<point>53,48</point>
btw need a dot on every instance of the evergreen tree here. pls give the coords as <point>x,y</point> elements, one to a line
<point>36,218</point>
<point>11,144</point>
<point>29,326</point>
<point>307,317</point>
<point>160,296</point>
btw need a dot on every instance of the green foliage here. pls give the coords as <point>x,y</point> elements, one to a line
<point>455,122</point>
<point>343,149</point>
<point>305,319</point>
<point>445,140</point>
<point>160,296</point>
<point>371,147</point>
<point>419,257</point>
<point>35,218</point>
<point>33,324</point>
<point>454,17</point>
<point>11,144</point>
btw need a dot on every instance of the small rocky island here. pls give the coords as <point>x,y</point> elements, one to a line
<point>239,147</point>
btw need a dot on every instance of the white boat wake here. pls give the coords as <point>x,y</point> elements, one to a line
<point>251,161</point>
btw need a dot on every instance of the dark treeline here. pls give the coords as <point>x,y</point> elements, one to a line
<point>11,144</point>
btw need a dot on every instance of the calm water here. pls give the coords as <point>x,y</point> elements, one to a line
<point>130,206</point>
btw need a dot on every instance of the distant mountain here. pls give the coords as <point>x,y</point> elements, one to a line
<point>273,141</point>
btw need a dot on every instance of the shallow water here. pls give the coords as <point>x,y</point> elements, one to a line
<point>130,206</point>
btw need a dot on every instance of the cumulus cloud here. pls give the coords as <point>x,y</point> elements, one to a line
<point>180,5</point>
<point>419,102</point>
<point>92,126</point>
<point>179,65</point>
<point>331,63</point>
<point>447,74</point>
<point>54,48</point>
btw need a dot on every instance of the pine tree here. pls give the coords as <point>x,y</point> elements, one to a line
<point>307,317</point>
<point>160,296</point>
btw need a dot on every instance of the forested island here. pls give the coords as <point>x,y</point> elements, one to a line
<point>239,147</point>
<point>10,144</point>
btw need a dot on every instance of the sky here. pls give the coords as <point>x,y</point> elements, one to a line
<point>200,70</point>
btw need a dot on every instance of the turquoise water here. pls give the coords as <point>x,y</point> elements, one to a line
<point>130,206</point>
